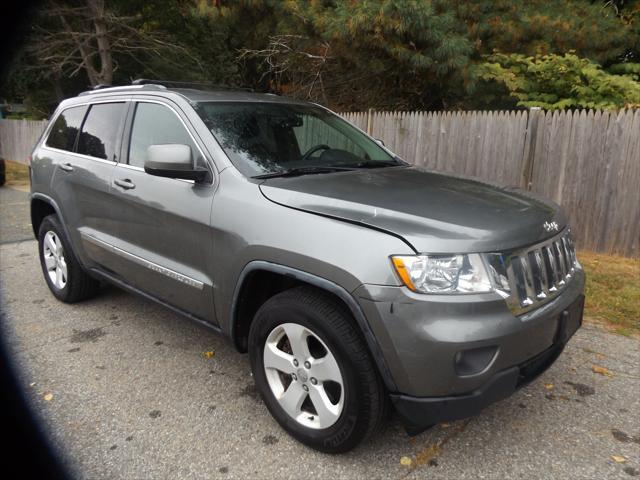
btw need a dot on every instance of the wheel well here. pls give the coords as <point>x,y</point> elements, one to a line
<point>258,287</point>
<point>39,210</point>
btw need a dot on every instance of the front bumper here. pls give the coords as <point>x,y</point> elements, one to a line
<point>419,413</point>
<point>422,338</point>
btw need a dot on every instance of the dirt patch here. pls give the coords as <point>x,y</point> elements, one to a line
<point>250,390</point>
<point>582,389</point>
<point>623,437</point>
<point>270,440</point>
<point>83,336</point>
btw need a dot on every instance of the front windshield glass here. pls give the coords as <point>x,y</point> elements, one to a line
<point>262,138</point>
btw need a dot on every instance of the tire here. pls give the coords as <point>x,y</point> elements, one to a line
<point>357,406</point>
<point>55,250</point>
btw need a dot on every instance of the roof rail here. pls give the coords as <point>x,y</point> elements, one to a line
<point>182,84</point>
<point>108,88</point>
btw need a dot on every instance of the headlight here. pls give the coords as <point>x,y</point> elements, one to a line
<point>443,273</point>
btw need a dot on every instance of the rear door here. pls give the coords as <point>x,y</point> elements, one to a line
<point>84,144</point>
<point>163,234</point>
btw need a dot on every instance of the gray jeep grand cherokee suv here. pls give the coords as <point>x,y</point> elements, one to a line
<point>353,280</point>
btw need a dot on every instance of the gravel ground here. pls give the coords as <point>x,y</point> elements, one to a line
<point>125,391</point>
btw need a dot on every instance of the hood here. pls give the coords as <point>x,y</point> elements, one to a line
<point>434,213</point>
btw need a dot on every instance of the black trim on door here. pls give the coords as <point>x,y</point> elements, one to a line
<point>126,133</point>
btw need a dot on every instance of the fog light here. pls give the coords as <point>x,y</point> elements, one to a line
<point>474,361</point>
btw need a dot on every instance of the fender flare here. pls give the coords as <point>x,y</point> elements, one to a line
<point>52,202</point>
<point>324,284</point>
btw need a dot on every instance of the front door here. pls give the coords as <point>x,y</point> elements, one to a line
<point>163,236</point>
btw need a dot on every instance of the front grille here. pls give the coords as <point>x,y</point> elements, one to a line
<point>533,276</point>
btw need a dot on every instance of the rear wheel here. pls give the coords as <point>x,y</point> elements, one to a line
<point>314,372</point>
<point>65,277</point>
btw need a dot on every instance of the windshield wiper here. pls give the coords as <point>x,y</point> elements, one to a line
<point>376,164</point>
<point>294,172</point>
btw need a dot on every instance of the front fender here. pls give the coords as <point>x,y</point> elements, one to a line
<point>324,284</point>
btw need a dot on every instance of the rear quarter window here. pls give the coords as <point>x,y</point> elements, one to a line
<point>65,129</point>
<point>100,130</point>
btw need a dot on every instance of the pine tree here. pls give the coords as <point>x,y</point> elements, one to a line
<point>599,31</point>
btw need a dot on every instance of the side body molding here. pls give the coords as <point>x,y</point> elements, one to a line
<point>329,286</point>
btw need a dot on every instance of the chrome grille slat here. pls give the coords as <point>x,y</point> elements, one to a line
<point>553,270</point>
<point>538,273</point>
<point>568,258</point>
<point>562,270</point>
<point>519,281</point>
<point>528,280</point>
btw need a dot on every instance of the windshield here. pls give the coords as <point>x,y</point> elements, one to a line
<point>263,138</point>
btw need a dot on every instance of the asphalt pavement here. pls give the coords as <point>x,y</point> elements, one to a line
<point>127,389</point>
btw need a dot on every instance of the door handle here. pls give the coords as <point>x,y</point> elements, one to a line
<point>125,183</point>
<point>67,167</point>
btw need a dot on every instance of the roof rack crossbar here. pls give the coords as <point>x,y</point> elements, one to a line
<point>182,84</point>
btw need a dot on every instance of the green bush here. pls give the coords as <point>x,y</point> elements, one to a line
<point>557,82</point>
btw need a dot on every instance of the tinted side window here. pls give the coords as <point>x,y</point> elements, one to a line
<point>65,129</point>
<point>156,124</point>
<point>100,129</point>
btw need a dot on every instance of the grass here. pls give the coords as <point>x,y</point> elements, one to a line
<point>16,173</point>
<point>613,291</point>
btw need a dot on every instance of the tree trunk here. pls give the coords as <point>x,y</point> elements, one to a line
<point>105,75</point>
<point>57,88</point>
<point>85,52</point>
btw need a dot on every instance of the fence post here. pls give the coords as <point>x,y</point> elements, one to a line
<point>370,121</point>
<point>529,150</point>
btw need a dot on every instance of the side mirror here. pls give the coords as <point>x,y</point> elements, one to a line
<point>172,161</point>
<point>379,142</point>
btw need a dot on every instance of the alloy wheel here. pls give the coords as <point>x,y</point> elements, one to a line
<point>54,260</point>
<point>304,376</point>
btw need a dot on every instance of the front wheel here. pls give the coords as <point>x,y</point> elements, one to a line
<point>314,372</point>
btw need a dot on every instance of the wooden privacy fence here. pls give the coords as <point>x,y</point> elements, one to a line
<point>18,137</point>
<point>587,161</point>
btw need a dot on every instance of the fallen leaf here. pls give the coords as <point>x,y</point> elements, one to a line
<point>548,386</point>
<point>602,370</point>
<point>406,461</point>
<point>618,458</point>
<point>445,425</point>
<point>32,384</point>
<point>48,397</point>
<point>208,354</point>
<point>426,454</point>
